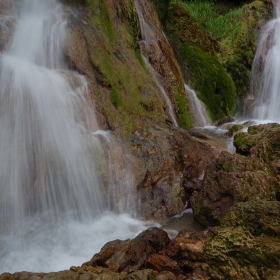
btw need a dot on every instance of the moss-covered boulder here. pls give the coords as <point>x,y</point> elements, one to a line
<point>251,174</point>
<point>195,52</point>
<point>261,141</point>
<point>246,245</point>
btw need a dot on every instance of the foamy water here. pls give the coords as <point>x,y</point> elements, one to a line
<point>45,247</point>
<point>61,175</point>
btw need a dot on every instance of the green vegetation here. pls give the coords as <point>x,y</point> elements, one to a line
<point>202,70</point>
<point>217,19</point>
<point>161,7</point>
<point>104,18</point>
<point>231,29</point>
<point>183,113</point>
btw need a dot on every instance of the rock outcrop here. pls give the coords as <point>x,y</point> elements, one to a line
<point>181,258</point>
<point>250,174</point>
<point>246,244</point>
<point>170,166</point>
<point>103,45</point>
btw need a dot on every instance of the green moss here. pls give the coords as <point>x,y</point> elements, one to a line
<point>161,7</point>
<point>241,139</point>
<point>103,17</point>
<point>253,130</point>
<point>233,31</point>
<point>201,68</point>
<point>115,97</point>
<point>236,127</point>
<point>140,58</point>
<point>183,112</point>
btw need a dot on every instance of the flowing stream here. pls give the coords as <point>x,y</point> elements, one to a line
<point>265,85</point>
<point>198,109</point>
<point>58,170</point>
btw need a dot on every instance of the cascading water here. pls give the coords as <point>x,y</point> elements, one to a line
<point>199,112</point>
<point>55,171</point>
<point>265,85</point>
<point>149,41</point>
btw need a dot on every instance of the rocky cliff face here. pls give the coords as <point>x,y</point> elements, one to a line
<point>103,45</point>
<point>169,165</point>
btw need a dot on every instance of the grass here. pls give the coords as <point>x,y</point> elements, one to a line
<point>217,20</point>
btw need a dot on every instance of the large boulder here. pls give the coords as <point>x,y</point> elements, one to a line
<point>182,258</point>
<point>246,244</point>
<point>169,167</point>
<point>130,255</point>
<point>250,174</point>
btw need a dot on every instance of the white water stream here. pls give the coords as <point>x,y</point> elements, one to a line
<point>63,194</point>
<point>266,71</point>
<point>198,109</point>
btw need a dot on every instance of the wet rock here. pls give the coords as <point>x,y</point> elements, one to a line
<point>224,120</point>
<point>261,141</point>
<point>130,103</point>
<point>251,174</point>
<point>181,258</point>
<point>170,167</point>
<point>246,244</point>
<point>159,262</point>
<point>130,255</point>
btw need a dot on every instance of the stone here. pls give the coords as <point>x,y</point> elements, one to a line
<point>246,245</point>
<point>130,255</point>
<point>250,174</point>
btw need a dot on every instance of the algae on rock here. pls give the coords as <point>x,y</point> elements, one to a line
<point>246,244</point>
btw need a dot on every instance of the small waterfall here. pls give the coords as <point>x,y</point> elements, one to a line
<point>199,113</point>
<point>60,174</point>
<point>265,83</point>
<point>148,44</point>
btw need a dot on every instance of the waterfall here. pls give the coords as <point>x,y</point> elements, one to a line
<point>198,109</point>
<point>60,174</point>
<point>149,43</point>
<point>265,83</point>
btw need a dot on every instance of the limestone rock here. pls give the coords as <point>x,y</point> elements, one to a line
<point>170,166</point>
<point>182,258</point>
<point>130,255</point>
<point>246,244</point>
<point>251,175</point>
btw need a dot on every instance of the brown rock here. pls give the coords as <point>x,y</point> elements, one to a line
<point>251,174</point>
<point>167,178</point>
<point>130,255</point>
<point>163,263</point>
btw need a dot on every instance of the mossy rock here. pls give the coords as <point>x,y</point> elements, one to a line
<point>161,7</point>
<point>195,52</point>
<point>250,174</point>
<point>258,138</point>
<point>246,245</point>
